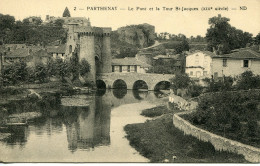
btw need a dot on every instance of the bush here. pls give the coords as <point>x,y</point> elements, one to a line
<point>225,111</point>
<point>195,90</point>
<point>153,112</point>
<point>15,73</point>
<point>180,81</point>
<point>248,80</point>
<point>40,72</point>
<point>221,85</point>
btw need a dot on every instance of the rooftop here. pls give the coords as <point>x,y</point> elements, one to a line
<point>19,52</point>
<point>241,54</point>
<point>57,49</point>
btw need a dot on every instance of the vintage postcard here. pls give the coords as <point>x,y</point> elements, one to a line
<point>129,81</point>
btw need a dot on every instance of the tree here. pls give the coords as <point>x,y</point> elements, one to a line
<point>59,22</point>
<point>66,13</point>
<point>62,69</point>
<point>74,64</point>
<point>6,22</point>
<point>84,67</point>
<point>248,81</point>
<point>15,73</point>
<point>257,39</point>
<point>40,72</point>
<point>222,37</point>
<point>180,81</point>
<point>183,46</point>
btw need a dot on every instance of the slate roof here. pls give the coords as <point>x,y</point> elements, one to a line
<point>57,49</point>
<point>129,61</point>
<point>42,53</point>
<point>240,54</point>
<point>19,52</point>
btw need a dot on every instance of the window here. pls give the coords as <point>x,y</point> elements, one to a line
<point>205,73</point>
<point>132,68</point>
<point>224,62</point>
<point>113,68</point>
<point>125,68</point>
<point>116,68</point>
<point>245,64</point>
<point>191,73</point>
<point>128,68</point>
<point>198,74</point>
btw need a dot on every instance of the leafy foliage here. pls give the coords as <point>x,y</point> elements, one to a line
<point>222,37</point>
<point>84,67</point>
<point>225,111</point>
<point>180,81</point>
<point>40,72</point>
<point>15,73</point>
<point>248,80</point>
<point>62,69</point>
<point>219,85</point>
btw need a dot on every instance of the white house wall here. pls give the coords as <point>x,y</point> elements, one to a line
<point>234,67</point>
<point>202,62</point>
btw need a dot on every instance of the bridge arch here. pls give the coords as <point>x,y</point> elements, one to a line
<point>140,84</point>
<point>119,84</point>
<point>101,84</point>
<point>162,85</point>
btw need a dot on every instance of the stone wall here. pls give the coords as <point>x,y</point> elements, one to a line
<point>182,103</point>
<point>252,154</point>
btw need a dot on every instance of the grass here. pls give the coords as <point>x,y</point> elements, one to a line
<point>159,141</point>
<point>160,110</point>
<point>156,111</point>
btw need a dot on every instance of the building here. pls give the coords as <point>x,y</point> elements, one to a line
<point>236,63</point>
<point>17,55</point>
<point>81,21</point>
<point>93,45</point>
<point>129,65</point>
<point>203,64</point>
<point>57,51</point>
<point>199,63</point>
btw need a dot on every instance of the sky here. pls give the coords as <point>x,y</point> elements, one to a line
<point>190,23</point>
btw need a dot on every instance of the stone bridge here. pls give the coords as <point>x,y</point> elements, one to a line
<point>130,79</point>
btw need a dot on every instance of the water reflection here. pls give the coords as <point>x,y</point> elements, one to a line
<point>140,95</point>
<point>82,124</point>
<point>87,126</point>
<point>18,136</point>
<point>119,93</point>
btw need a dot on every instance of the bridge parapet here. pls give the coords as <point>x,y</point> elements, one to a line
<point>130,78</point>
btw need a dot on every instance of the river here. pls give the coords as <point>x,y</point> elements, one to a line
<point>85,129</point>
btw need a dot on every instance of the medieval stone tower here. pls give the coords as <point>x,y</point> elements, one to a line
<point>94,46</point>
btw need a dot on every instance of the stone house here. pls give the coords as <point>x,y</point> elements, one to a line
<point>128,65</point>
<point>57,51</point>
<point>203,64</point>
<point>199,63</point>
<point>236,63</point>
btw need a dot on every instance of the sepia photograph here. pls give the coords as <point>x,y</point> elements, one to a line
<point>130,81</point>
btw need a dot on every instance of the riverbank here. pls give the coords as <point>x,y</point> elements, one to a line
<point>160,141</point>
